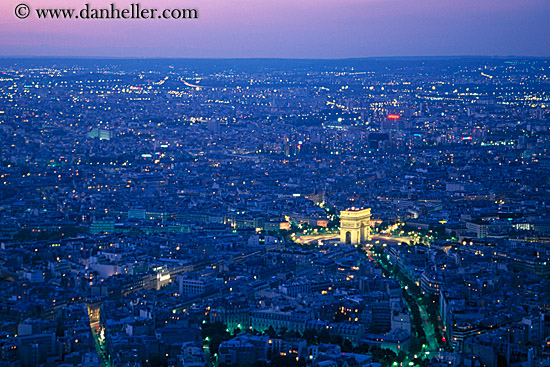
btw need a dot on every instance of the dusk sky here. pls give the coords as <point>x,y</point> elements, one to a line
<point>287,29</point>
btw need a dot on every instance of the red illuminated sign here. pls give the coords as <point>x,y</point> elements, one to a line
<point>393,117</point>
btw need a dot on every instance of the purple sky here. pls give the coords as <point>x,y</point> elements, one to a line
<point>288,29</point>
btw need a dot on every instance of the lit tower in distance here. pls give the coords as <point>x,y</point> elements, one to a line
<point>391,123</point>
<point>355,226</point>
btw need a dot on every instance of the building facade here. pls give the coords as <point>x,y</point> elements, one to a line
<point>355,226</point>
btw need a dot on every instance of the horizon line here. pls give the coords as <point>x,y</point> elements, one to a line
<point>269,58</point>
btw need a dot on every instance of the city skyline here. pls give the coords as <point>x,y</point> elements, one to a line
<point>269,213</point>
<point>229,183</point>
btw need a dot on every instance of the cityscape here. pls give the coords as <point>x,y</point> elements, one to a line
<point>374,212</point>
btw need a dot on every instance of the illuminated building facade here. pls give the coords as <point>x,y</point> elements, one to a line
<point>355,226</point>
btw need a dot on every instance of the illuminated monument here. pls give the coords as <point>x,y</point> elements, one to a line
<point>355,226</point>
